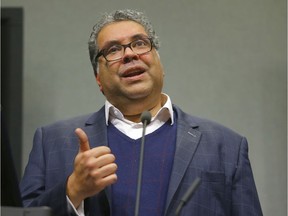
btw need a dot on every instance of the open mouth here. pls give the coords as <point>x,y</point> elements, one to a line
<point>133,73</point>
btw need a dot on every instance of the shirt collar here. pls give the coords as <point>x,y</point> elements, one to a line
<point>164,113</point>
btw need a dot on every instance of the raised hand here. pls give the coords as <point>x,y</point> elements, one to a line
<point>94,169</point>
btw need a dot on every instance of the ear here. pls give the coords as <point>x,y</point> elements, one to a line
<point>99,82</point>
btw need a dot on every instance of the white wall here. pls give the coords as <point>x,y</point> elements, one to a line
<point>224,60</point>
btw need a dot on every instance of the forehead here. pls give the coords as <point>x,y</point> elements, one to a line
<point>119,31</point>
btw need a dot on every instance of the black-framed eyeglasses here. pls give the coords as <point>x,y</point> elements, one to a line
<point>116,52</point>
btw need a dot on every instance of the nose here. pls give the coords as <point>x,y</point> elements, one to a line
<point>129,55</point>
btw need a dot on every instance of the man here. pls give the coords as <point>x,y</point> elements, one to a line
<point>88,165</point>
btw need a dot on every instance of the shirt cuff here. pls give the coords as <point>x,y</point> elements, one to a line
<point>71,208</point>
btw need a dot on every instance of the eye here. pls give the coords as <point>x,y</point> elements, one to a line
<point>113,50</point>
<point>140,43</point>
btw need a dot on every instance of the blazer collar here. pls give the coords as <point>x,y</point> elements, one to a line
<point>96,117</point>
<point>96,129</point>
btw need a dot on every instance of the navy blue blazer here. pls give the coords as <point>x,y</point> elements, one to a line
<point>204,149</point>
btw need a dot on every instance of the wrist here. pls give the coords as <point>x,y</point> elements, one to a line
<point>71,192</point>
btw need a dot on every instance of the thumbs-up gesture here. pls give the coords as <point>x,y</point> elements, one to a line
<point>94,169</point>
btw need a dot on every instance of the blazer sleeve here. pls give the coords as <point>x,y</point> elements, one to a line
<point>33,185</point>
<point>245,199</point>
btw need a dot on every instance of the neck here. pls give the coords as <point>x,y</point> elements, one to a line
<point>132,111</point>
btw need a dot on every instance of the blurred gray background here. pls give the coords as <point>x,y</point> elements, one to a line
<point>224,60</point>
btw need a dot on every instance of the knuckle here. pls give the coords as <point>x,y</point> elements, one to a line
<point>85,154</point>
<point>90,164</point>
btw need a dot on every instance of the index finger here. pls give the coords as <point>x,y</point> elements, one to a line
<point>83,138</point>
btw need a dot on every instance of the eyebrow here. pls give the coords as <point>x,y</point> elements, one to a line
<point>139,36</point>
<point>114,42</point>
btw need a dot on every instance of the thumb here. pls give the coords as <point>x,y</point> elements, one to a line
<point>83,140</point>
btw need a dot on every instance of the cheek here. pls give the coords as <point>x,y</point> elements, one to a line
<point>106,79</point>
<point>152,59</point>
<point>109,68</point>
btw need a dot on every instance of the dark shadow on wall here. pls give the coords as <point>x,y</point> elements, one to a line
<point>11,88</point>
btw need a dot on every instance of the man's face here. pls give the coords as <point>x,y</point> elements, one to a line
<point>134,76</point>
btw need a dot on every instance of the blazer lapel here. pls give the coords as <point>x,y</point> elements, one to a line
<point>186,144</point>
<point>96,130</point>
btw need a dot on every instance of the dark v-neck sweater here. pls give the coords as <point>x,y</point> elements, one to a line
<point>158,161</point>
